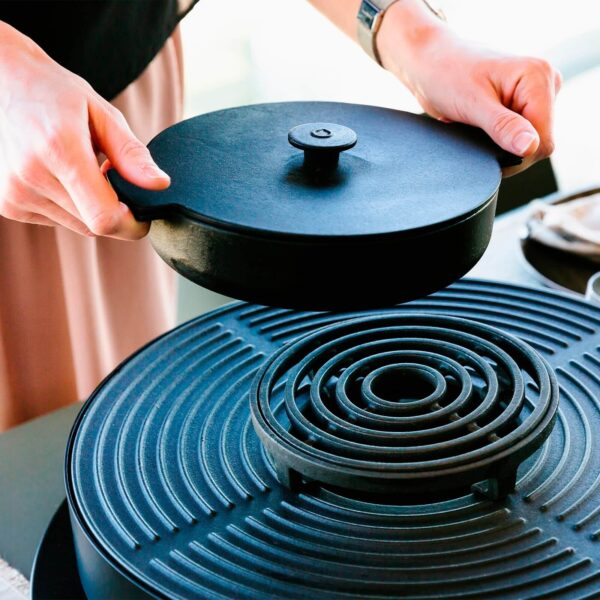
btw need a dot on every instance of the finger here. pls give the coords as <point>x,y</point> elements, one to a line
<point>535,101</point>
<point>510,130</point>
<point>540,114</point>
<point>17,213</point>
<point>558,81</point>
<point>46,185</point>
<point>30,207</point>
<point>59,196</point>
<point>93,196</point>
<point>34,179</point>
<point>33,219</point>
<point>128,155</point>
<point>105,167</point>
<point>55,214</point>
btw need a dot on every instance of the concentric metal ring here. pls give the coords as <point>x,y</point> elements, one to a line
<point>416,403</point>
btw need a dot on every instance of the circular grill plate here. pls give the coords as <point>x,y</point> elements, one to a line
<point>170,485</point>
<point>405,403</point>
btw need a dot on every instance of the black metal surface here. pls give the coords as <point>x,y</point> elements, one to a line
<point>54,575</point>
<point>322,275</point>
<point>537,181</point>
<point>404,404</point>
<point>322,144</point>
<point>249,216</point>
<point>236,169</point>
<point>169,484</point>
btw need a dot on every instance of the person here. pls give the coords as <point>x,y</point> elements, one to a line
<point>84,86</point>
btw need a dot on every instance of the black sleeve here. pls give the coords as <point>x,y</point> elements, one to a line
<point>107,42</point>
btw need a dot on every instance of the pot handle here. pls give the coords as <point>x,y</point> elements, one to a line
<point>506,159</point>
<point>484,141</point>
<point>149,208</point>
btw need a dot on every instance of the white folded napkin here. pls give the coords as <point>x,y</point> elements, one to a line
<point>572,226</point>
<point>13,586</point>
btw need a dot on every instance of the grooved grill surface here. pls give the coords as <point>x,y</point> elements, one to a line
<point>172,482</point>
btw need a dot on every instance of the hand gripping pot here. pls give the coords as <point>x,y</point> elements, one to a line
<point>320,205</point>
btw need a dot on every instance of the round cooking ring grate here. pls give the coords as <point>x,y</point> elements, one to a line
<point>170,487</point>
<point>404,403</point>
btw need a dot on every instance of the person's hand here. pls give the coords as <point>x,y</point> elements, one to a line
<point>509,97</point>
<point>52,124</point>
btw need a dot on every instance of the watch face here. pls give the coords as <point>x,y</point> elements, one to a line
<point>368,14</point>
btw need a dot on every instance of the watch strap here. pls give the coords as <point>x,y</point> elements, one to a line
<point>369,18</point>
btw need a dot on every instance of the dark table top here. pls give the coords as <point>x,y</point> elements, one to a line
<point>32,455</point>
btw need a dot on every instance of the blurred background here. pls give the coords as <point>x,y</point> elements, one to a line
<point>270,50</point>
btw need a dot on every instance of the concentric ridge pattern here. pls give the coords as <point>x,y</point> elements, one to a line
<point>168,478</point>
<point>404,403</point>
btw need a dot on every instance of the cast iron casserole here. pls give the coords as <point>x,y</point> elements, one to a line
<point>405,210</point>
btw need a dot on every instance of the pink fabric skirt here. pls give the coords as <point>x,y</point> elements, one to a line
<point>72,307</point>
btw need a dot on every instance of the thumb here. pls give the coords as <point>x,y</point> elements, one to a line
<point>511,131</point>
<point>125,152</point>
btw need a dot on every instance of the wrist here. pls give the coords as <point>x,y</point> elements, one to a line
<point>408,31</point>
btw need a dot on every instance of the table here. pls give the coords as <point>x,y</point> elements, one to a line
<point>31,483</point>
<point>32,455</point>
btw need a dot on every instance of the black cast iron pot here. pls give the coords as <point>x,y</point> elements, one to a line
<point>263,206</point>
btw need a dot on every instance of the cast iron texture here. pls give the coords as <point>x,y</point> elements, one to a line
<point>404,404</point>
<point>408,209</point>
<point>173,495</point>
<point>54,573</point>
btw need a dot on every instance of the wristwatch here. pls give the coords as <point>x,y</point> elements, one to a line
<point>369,19</point>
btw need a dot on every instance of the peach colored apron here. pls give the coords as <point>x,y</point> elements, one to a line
<point>71,307</point>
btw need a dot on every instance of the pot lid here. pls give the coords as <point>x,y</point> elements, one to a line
<point>318,169</point>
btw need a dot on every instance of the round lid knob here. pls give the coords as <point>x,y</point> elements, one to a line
<point>322,144</point>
